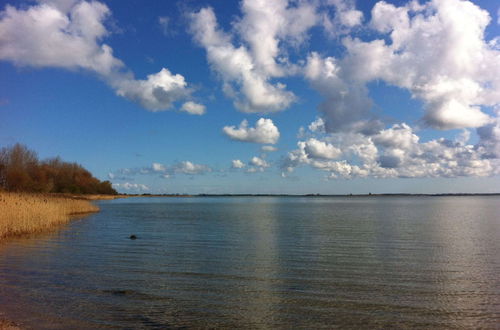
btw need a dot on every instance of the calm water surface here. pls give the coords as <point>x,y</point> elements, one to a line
<point>374,262</point>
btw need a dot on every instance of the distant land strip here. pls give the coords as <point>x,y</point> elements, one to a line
<point>315,195</point>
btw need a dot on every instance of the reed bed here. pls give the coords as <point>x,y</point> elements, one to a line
<point>22,213</point>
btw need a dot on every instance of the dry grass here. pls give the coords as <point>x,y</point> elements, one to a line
<point>30,213</point>
<point>98,197</point>
<point>8,325</point>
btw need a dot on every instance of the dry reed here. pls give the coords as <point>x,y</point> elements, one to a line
<point>22,213</point>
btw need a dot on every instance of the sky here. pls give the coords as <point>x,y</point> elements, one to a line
<point>254,96</point>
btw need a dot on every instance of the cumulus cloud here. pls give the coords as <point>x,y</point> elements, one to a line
<point>193,108</point>
<point>264,132</point>
<point>398,152</point>
<point>137,187</point>
<point>236,163</point>
<point>187,167</point>
<point>346,103</point>
<point>438,52</point>
<point>267,32</point>
<point>319,149</point>
<point>157,167</point>
<point>346,17</point>
<point>246,72</point>
<point>42,36</point>
<point>317,126</point>
<point>267,23</point>
<point>259,162</point>
<point>69,35</point>
<point>489,142</point>
<point>158,92</point>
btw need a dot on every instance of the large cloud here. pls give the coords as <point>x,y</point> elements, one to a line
<point>438,52</point>
<point>248,86</point>
<point>267,23</point>
<point>398,152</point>
<point>346,104</point>
<point>267,33</point>
<point>264,132</point>
<point>69,35</point>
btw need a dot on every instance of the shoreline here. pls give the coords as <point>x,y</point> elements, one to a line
<point>25,213</point>
<point>315,195</point>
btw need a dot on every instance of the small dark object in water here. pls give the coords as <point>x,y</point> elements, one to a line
<point>133,237</point>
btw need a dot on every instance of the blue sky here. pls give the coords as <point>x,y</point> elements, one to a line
<point>330,96</point>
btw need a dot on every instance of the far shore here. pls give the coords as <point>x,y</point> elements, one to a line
<point>314,195</point>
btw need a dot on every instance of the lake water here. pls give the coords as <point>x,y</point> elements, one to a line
<point>271,262</point>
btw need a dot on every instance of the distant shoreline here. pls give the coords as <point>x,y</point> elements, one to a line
<point>315,195</point>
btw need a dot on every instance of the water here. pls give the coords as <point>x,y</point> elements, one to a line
<point>374,262</point>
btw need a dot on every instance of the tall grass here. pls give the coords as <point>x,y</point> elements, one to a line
<point>22,213</point>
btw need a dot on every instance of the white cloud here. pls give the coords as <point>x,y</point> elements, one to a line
<point>268,148</point>
<point>158,92</point>
<point>187,167</point>
<point>319,149</point>
<point>131,186</point>
<point>264,132</point>
<point>346,17</point>
<point>398,152</point>
<point>236,163</point>
<point>317,126</point>
<point>193,108</point>
<point>243,81</point>
<point>43,36</point>
<point>69,35</point>
<point>267,23</point>
<point>157,167</point>
<point>259,162</point>
<point>438,52</point>
<point>399,136</point>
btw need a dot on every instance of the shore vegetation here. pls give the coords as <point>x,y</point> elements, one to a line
<point>24,213</point>
<point>37,195</point>
<point>22,171</point>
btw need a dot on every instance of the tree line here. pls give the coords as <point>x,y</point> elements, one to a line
<point>22,171</point>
